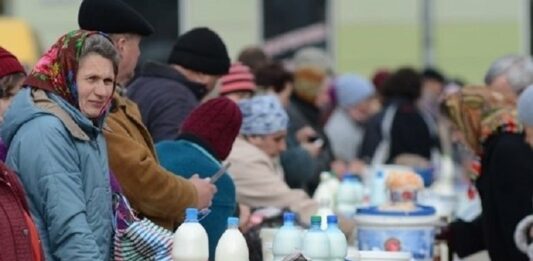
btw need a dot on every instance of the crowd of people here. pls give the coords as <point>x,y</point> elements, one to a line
<point>81,128</point>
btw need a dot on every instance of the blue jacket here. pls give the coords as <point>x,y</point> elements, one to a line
<point>185,158</point>
<point>61,159</point>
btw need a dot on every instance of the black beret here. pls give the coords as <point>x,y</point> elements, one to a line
<point>112,16</point>
<point>201,50</point>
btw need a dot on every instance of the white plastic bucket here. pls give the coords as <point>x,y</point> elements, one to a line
<point>380,256</point>
<point>412,232</point>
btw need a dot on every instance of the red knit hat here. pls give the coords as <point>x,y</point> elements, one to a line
<point>239,78</point>
<point>9,63</point>
<point>216,123</point>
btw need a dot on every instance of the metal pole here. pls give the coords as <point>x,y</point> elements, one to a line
<point>526,26</point>
<point>428,44</point>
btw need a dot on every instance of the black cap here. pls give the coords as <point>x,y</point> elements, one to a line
<point>201,50</point>
<point>112,16</point>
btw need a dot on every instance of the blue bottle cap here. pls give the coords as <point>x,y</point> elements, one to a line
<point>191,215</point>
<point>233,221</point>
<point>289,217</point>
<point>332,219</point>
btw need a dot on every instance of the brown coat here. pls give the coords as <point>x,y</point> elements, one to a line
<point>259,182</point>
<point>154,192</point>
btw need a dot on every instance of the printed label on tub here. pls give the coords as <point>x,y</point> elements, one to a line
<point>417,241</point>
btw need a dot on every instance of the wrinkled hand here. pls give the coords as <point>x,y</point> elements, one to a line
<point>205,191</point>
<point>311,148</point>
<point>304,134</point>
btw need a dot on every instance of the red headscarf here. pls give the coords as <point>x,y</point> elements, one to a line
<point>56,70</point>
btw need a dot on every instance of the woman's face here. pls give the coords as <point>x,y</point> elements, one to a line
<point>95,80</point>
<point>6,100</point>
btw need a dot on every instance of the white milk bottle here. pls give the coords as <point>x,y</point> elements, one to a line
<point>315,243</point>
<point>232,246</point>
<point>190,239</point>
<point>287,239</point>
<point>337,240</point>
<point>349,195</point>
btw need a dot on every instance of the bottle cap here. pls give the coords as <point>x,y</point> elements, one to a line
<point>316,220</point>
<point>191,215</point>
<point>233,221</point>
<point>288,217</point>
<point>332,219</point>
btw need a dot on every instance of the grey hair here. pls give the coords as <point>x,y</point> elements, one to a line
<point>518,69</point>
<point>102,46</point>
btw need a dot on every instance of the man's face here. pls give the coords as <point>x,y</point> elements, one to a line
<point>128,48</point>
<point>362,111</point>
<point>431,90</point>
<point>271,144</point>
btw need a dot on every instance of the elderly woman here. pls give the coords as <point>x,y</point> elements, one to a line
<point>487,120</point>
<point>54,133</point>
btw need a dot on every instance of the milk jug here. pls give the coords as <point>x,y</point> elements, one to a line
<point>190,239</point>
<point>288,238</point>
<point>232,245</point>
<point>338,245</point>
<point>315,243</point>
<point>349,195</point>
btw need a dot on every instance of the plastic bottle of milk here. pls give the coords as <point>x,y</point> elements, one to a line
<point>232,245</point>
<point>338,245</point>
<point>316,242</point>
<point>190,239</point>
<point>349,195</point>
<point>288,239</point>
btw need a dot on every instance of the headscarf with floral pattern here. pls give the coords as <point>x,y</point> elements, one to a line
<point>480,113</point>
<point>56,70</point>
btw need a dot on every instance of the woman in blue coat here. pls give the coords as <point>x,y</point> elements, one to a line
<point>206,138</point>
<point>53,131</point>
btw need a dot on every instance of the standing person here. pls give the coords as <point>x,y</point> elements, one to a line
<point>238,84</point>
<point>19,239</point>
<point>54,132</point>
<point>12,75</point>
<point>167,93</point>
<point>510,74</point>
<point>400,128</point>
<point>206,139</point>
<point>306,110</point>
<point>152,191</point>
<point>487,121</point>
<point>345,127</point>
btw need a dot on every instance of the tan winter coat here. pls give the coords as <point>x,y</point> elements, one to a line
<point>260,183</point>
<point>154,192</point>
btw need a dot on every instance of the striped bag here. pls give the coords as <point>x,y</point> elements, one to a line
<point>143,240</point>
<point>137,239</point>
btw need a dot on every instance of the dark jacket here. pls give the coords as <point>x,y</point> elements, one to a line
<point>409,133</point>
<point>185,157</point>
<point>303,114</point>
<point>505,187</point>
<point>165,97</point>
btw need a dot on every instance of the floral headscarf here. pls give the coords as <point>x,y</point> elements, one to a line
<point>56,70</point>
<point>479,113</point>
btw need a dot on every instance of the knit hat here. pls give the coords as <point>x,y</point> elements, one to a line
<point>351,89</point>
<point>239,78</point>
<point>9,63</point>
<point>263,115</point>
<point>216,123</point>
<point>201,50</point>
<point>112,16</point>
<point>525,107</point>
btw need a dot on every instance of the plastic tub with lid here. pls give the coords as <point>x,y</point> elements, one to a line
<point>397,231</point>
